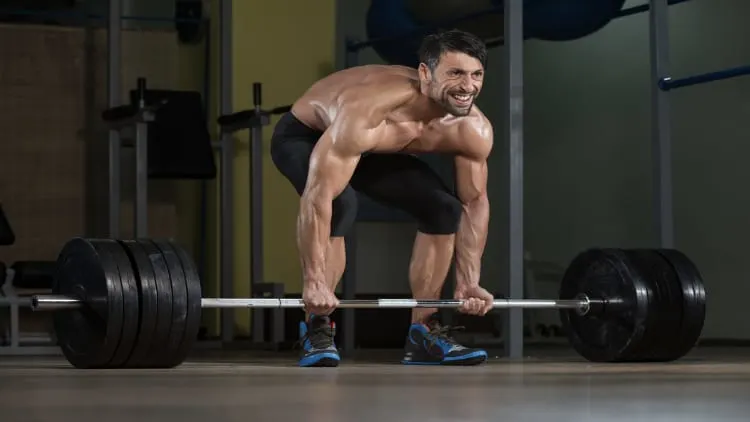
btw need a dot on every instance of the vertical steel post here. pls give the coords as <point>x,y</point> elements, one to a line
<point>660,124</point>
<point>227,170</point>
<point>514,140</point>
<point>349,277</point>
<point>256,211</point>
<point>114,87</point>
<point>141,168</point>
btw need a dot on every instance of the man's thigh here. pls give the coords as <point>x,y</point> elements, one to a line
<point>408,183</point>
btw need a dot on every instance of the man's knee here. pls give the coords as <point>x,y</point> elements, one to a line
<point>442,215</point>
<point>344,212</point>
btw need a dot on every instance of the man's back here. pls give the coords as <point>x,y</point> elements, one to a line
<point>380,85</point>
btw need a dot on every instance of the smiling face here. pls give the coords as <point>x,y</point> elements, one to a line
<point>455,81</point>
<point>451,69</point>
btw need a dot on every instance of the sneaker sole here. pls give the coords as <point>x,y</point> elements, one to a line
<point>323,363</point>
<point>471,360</point>
<point>320,360</point>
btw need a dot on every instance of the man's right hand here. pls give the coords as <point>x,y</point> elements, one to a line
<point>319,299</point>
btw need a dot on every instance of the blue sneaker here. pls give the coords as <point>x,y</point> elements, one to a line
<point>432,345</point>
<point>318,347</point>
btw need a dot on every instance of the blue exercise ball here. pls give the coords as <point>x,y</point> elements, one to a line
<point>432,12</point>
<point>391,21</point>
<point>566,20</point>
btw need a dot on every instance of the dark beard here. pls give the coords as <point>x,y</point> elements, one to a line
<point>458,112</point>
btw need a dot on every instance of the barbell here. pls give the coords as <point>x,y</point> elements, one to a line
<point>137,304</point>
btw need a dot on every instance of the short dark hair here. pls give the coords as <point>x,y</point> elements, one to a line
<point>435,45</point>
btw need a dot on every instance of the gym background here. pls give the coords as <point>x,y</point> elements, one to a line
<point>586,137</point>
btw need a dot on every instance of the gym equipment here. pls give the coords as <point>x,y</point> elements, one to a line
<point>394,27</point>
<point>659,309</point>
<point>394,31</point>
<point>190,21</point>
<point>171,142</point>
<point>567,20</point>
<point>137,304</point>
<point>17,282</point>
<point>667,84</point>
<point>484,24</point>
<point>7,236</point>
<point>549,20</point>
<point>255,120</point>
<point>33,274</point>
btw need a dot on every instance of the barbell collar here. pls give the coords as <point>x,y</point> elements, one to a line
<point>582,304</point>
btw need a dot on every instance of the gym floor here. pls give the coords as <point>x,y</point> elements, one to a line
<point>711,384</point>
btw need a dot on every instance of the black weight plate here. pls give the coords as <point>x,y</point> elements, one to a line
<point>88,336</point>
<point>179,306</point>
<point>195,295</point>
<point>159,355</point>
<point>693,300</point>
<point>130,304</point>
<point>149,305</point>
<point>665,310</point>
<point>613,332</point>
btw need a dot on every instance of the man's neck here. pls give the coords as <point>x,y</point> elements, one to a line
<point>423,108</point>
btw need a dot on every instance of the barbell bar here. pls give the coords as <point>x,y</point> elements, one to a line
<point>582,304</point>
<point>138,304</point>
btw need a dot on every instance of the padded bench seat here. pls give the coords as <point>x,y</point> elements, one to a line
<point>33,274</point>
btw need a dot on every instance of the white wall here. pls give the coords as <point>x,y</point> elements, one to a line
<point>587,146</point>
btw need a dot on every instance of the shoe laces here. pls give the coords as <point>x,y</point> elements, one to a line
<point>320,336</point>
<point>442,333</point>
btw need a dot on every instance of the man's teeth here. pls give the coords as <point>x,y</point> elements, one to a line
<point>462,97</point>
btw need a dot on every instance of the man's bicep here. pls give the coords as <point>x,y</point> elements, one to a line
<point>471,166</point>
<point>471,178</point>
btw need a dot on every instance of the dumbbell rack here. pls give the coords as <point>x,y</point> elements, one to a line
<point>16,343</point>
<point>13,341</point>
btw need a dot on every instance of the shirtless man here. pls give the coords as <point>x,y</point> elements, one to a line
<point>353,131</point>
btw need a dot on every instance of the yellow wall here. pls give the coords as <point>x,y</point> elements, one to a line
<point>286,45</point>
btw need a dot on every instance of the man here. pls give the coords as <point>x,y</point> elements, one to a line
<point>353,131</point>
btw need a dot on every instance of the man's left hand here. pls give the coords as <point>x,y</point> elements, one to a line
<point>477,300</point>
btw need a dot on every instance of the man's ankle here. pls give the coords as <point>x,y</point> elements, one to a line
<point>426,319</point>
<point>423,316</point>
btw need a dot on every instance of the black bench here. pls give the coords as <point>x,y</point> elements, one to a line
<point>33,275</point>
<point>27,274</point>
<point>175,129</point>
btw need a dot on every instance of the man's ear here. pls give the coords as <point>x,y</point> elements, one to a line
<point>424,73</point>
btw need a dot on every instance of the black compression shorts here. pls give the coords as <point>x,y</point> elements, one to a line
<point>398,180</point>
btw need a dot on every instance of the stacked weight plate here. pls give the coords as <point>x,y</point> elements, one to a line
<point>654,305</point>
<point>141,303</point>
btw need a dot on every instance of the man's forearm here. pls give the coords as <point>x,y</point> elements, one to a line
<point>471,240</point>
<point>313,230</point>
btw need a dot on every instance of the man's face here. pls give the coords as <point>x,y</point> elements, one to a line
<point>455,83</point>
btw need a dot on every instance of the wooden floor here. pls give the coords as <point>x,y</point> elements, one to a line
<point>709,385</point>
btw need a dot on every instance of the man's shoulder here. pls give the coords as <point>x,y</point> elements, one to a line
<point>476,134</point>
<point>476,125</point>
